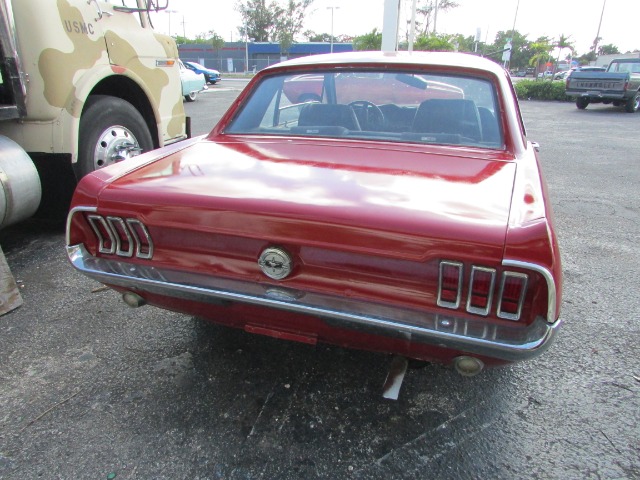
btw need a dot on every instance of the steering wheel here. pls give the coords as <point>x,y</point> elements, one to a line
<point>369,115</point>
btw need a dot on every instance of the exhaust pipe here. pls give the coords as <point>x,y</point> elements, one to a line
<point>133,299</point>
<point>468,366</point>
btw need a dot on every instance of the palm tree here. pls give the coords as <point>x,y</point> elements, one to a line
<point>541,49</point>
<point>562,43</point>
<point>368,41</point>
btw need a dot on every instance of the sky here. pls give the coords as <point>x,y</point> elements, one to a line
<point>577,19</point>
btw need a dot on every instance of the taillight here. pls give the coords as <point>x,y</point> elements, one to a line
<point>106,239</point>
<point>124,244</point>
<point>513,289</point>
<point>124,237</point>
<point>481,294</point>
<point>450,284</point>
<point>481,285</point>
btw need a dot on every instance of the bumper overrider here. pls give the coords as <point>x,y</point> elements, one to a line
<point>477,336</point>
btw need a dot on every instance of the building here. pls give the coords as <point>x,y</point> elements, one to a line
<point>233,56</point>
<point>605,60</point>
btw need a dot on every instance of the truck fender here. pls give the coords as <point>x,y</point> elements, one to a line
<point>84,87</point>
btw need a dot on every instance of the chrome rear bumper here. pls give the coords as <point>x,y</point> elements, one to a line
<point>478,337</point>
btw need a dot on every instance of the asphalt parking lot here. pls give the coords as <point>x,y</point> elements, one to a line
<point>90,388</point>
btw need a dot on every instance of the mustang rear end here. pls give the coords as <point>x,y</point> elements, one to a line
<point>420,226</point>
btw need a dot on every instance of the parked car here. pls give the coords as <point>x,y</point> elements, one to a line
<point>382,88</point>
<point>546,74</point>
<point>416,227</point>
<point>210,75</point>
<point>561,75</point>
<point>192,83</point>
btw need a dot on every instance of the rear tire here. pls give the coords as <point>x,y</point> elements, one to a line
<point>111,129</point>
<point>582,103</point>
<point>633,103</point>
<point>191,97</point>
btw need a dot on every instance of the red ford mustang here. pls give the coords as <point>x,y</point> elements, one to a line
<point>420,226</point>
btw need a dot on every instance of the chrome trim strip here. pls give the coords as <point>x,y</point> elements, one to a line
<point>111,221</point>
<point>70,215</point>
<point>523,294</point>
<point>476,336</point>
<point>93,220</point>
<point>129,228</point>
<point>552,314</point>
<point>143,228</point>
<point>477,310</point>
<point>460,267</point>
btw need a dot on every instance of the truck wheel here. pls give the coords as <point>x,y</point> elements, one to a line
<point>191,97</point>
<point>111,130</point>
<point>633,103</point>
<point>582,103</point>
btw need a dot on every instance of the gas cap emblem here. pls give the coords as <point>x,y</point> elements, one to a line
<point>275,263</point>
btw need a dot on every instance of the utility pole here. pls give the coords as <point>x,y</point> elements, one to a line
<point>332,9</point>
<point>435,17</point>
<point>390,25</point>
<point>412,34</point>
<point>597,39</point>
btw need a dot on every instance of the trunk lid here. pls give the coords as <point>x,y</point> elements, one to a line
<point>388,200</point>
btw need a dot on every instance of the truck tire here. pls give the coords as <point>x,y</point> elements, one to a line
<point>111,130</point>
<point>633,103</point>
<point>582,102</point>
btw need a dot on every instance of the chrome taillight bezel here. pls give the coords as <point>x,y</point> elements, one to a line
<point>494,295</point>
<point>94,222</point>
<point>477,310</point>
<point>460,267</point>
<point>523,293</point>
<point>121,231</point>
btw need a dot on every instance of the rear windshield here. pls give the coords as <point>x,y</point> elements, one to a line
<point>387,106</point>
<point>626,67</point>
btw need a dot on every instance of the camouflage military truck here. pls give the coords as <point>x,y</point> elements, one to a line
<point>83,83</point>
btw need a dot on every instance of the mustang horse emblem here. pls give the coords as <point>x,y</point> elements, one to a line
<point>275,263</point>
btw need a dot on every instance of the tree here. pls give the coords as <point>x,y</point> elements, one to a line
<point>541,49</point>
<point>609,49</point>
<point>289,20</point>
<point>217,42</point>
<point>285,40</point>
<point>562,43</point>
<point>521,52</point>
<point>258,19</point>
<point>434,43</point>
<point>368,41</point>
<point>467,44</point>
<point>312,36</point>
<point>427,10</point>
<point>587,58</point>
<point>280,20</point>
